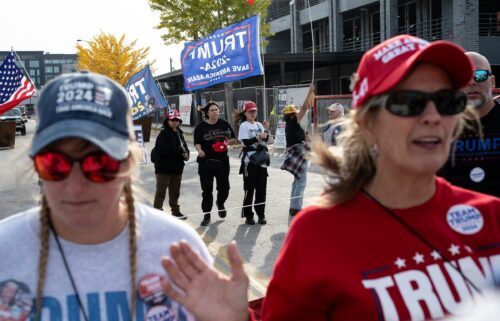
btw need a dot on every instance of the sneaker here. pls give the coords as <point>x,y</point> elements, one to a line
<point>179,215</point>
<point>222,210</point>
<point>250,221</point>
<point>293,211</point>
<point>206,220</point>
<point>262,220</point>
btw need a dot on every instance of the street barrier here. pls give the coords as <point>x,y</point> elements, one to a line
<point>7,134</point>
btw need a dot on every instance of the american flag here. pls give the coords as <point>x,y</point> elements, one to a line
<point>14,86</point>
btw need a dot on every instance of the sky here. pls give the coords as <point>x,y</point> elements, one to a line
<point>55,25</point>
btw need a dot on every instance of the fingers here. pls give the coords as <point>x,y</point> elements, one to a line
<point>184,260</point>
<point>174,273</point>
<point>172,293</point>
<point>194,258</point>
<point>236,262</point>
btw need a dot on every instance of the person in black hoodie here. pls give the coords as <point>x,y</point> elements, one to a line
<point>169,154</point>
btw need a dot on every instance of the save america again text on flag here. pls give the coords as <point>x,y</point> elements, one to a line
<point>14,86</point>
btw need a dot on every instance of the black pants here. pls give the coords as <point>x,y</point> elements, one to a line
<point>254,182</point>
<point>207,176</point>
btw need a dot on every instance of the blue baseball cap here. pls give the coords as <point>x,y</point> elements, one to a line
<point>84,105</point>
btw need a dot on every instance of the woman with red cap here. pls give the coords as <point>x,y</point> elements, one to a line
<point>390,240</point>
<point>253,135</point>
<point>169,156</point>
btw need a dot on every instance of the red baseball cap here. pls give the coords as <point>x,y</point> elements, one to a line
<point>249,106</point>
<point>385,65</point>
<point>174,114</point>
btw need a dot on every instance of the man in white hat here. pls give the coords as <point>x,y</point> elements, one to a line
<point>331,130</point>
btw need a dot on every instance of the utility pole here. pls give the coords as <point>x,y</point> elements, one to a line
<point>171,65</point>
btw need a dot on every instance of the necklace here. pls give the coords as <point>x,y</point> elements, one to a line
<point>68,271</point>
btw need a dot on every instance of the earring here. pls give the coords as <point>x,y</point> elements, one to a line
<point>374,151</point>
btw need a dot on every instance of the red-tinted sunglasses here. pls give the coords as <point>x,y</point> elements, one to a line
<point>97,167</point>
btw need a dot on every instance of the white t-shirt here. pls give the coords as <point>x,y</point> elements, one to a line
<point>101,271</point>
<point>248,131</point>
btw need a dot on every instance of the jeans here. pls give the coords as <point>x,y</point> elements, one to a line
<point>173,184</point>
<point>298,187</point>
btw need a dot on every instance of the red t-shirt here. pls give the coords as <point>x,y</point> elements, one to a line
<point>354,261</point>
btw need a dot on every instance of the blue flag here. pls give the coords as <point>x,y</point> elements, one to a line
<point>227,54</point>
<point>145,95</point>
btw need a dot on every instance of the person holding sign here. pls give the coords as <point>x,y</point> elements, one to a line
<point>169,155</point>
<point>253,135</point>
<point>90,251</point>
<point>211,138</point>
<point>297,148</point>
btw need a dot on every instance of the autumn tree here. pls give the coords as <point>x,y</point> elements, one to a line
<point>107,55</point>
<point>190,20</point>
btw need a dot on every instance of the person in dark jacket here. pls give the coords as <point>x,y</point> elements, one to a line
<point>171,153</point>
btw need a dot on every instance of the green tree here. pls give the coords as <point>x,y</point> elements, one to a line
<point>107,55</point>
<point>190,20</point>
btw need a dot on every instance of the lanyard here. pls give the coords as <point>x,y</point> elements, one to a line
<point>423,239</point>
<point>68,271</point>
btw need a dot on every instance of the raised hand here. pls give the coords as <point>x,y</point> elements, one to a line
<point>205,292</point>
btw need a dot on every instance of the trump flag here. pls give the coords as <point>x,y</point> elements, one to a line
<point>145,95</point>
<point>14,86</point>
<point>228,54</point>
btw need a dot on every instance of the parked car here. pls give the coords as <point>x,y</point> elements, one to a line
<point>24,113</point>
<point>15,115</point>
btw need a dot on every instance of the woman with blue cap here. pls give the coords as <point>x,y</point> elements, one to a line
<point>90,252</point>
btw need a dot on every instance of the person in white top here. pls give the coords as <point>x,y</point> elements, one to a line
<point>90,252</point>
<point>253,135</point>
<point>331,129</point>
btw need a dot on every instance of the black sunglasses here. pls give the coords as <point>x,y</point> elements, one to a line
<point>410,103</point>
<point>481,75</point>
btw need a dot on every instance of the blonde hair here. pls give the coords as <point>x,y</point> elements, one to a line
<point>133,160</point>
<point>351,165</point>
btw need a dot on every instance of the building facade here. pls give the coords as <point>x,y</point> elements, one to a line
<point>42,67</point>
<point>342,30</point>
<point>353,26</point>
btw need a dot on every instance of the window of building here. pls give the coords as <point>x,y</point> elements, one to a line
<point>34,63</point>
<point>49,69</point>
<point>434,25</point>
<point>321,39</point>
<point>57,69</point>
<point>489,18</point>
<point>375,28</point>
<point>345,83</point>
<point>407,18</point>
<point>352,34</point>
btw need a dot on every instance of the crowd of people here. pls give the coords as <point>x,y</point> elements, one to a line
<point>408,230</point>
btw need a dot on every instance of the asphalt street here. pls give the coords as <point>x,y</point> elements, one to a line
<point>259,245</point>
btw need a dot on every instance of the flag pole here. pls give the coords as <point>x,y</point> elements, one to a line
<point>264,95</point>
<point>25,71</point>
<point>161,90</point>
